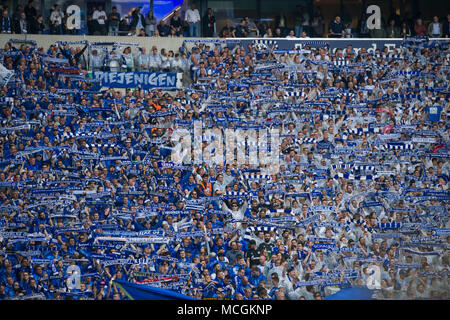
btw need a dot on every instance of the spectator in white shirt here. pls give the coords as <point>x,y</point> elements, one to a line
<point>100,16</point>
<point>192,17</point>
<point>143,60</point>
<point>129,59</point>
<point>219,185</point>
<point>268,33</point>
<point>155,60</point>
<point>96,60</point>
<point>115,61</point>
<point>57,16</point>
<point>291,35</point>
<point>165,61</point>
<point>177,63</point>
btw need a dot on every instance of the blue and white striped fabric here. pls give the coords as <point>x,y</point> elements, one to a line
<point>261,228</point>
<point>236,194</point>
<point>397,146</point>
<point>390,56</point>
<point>105,145</point>
<point>347,95</point>
<point>350,176</point>
<point>250,230</point>
<point>195,207</point>
<point>252,177</point>
<point>389,225</point>
<point>341,62</point>
<point>363,168</point>
<point>360,131</point>
<point>341,166</point>
<point>407,73</point>
<point>409,96</point>
<point>281,211</point>
<point>68,135</point>
<point>295,94</point>
<point>261,44</point>
<point>398,110</point>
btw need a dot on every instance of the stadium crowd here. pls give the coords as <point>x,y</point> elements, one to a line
<point>88,183</point>
<point>300,24</point>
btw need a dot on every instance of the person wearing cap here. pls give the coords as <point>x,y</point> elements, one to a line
<point>205,186</point>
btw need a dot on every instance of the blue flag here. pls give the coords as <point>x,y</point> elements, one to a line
<point>136,291</point>
<point>355,293</point>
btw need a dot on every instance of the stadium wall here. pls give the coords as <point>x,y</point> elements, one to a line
<point>175,43</point>
<point>46,40</point>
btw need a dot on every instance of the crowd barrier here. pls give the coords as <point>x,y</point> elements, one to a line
<point>175,43</point>
<point>46,40</point>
